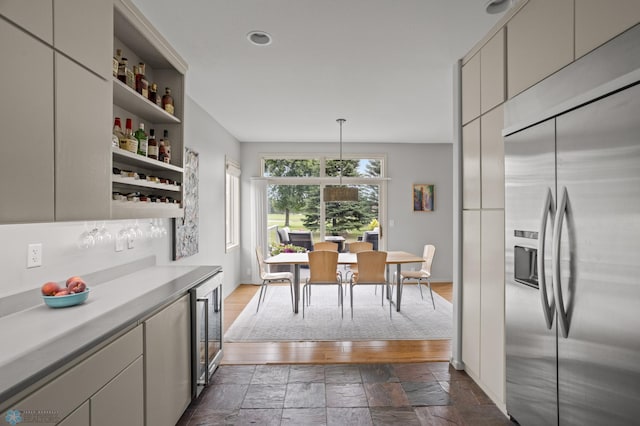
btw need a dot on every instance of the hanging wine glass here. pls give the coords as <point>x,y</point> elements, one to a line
<point>107,237</point>
<point>86,239</point>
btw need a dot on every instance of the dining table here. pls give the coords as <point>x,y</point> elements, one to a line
<point>397,258</point>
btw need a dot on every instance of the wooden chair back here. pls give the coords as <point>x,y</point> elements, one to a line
<point>322,266</point>
<point>325,246</point>
<point>358,246</point>
<point>371,267</point>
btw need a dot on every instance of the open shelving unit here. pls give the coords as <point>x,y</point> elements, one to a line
<point>140,42</point>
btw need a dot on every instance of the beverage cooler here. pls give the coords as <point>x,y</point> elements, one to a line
<point>206,331</point>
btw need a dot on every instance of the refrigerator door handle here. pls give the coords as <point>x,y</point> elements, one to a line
<point>557,285</point>
<point>548,307</point>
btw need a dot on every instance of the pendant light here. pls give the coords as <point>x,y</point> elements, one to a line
<point>340,192</point>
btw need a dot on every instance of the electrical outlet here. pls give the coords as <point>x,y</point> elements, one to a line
<point>34,255</point>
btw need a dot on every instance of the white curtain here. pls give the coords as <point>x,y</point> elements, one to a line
<point>259,209</point>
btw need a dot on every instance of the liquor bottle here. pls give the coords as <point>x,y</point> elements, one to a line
<point>131,77</point>
<point>130,143</point>
<point>142,85</point>
<point>167,101</point>
<point>165,148</point>
<point>143,140</point>
<point>153,145</point>
<point>153,94</point>
<point>116,62</point>
<point>122,70</point>
<point>117,133</point>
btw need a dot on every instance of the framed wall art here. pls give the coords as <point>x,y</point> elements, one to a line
<point>423,197</point>
<point>185,235</point>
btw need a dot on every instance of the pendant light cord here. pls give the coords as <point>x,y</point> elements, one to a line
<point>341,121</point>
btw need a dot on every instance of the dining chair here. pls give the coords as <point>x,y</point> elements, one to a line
<point>322,271</point>
<point>268,277</point>
<point>355,247</point>
<point>325,245</point>
<point>371,269</point>
<point>423,274</point>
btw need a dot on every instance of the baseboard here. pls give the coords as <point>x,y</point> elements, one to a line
<point>458,365</point>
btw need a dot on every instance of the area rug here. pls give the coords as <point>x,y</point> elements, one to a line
<point>322,322</point>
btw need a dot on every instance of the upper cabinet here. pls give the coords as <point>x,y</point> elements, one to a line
<point>492,76</point>
<point>82,161</point>
<point>598,21</point>
<point>67,96</point>
<point>540,42</point>
<point>147,187</point>
<point>34,16</point>
<point>26,163</point>
<point>471,89</point>
<point>81,31</point>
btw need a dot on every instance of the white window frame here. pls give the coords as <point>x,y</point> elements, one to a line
<point>232,205</point>
<point>323,180</point>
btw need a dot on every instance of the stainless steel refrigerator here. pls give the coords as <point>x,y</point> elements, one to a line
<point>572,242</point>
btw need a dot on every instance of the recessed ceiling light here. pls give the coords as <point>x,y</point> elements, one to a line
<point>497,6</point>
<point>259,38</point>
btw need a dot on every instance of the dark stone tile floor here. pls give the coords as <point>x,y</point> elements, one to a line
<point>343,395</point>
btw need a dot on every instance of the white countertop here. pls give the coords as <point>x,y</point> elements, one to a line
<point>38,340</point>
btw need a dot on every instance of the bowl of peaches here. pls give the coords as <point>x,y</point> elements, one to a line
<point>73,293</point>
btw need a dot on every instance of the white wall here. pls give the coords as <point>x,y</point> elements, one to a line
<point>213,143</point>
<point>406,164</point>
<point>62,257</point>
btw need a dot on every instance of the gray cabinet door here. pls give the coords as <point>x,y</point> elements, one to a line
<point>83,143</point>
<point>598,156</point>
<point>168,350</point>
<point>83,30</point>
<point>26,162</point>
<point>121,401</point>
<point>34,16</point>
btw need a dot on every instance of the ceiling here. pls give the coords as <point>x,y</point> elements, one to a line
<point>386,66</point>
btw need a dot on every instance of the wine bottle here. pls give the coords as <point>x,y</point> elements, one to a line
<point>167,101</point>
<point>117,133</point>
<point>116,62</point>
<point>152,151</point>
<point>143,140</point>
<point>142,85</point>
<point>130,143</point>
<point>165,148</point>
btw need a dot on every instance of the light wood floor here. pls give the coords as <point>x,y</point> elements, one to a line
<point>359,352</point>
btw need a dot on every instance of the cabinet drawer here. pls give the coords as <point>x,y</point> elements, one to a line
<point>80,417</point>
<point>67,392</point>
<point>120,402</point>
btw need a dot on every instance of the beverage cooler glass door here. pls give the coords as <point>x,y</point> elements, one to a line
<point>530,316</point>
<point>207,331</point>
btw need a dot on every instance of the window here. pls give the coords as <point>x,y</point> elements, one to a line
<point>294,192</point>
<point>232,210</point>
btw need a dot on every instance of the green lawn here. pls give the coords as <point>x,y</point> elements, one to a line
<point>295,220</point>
